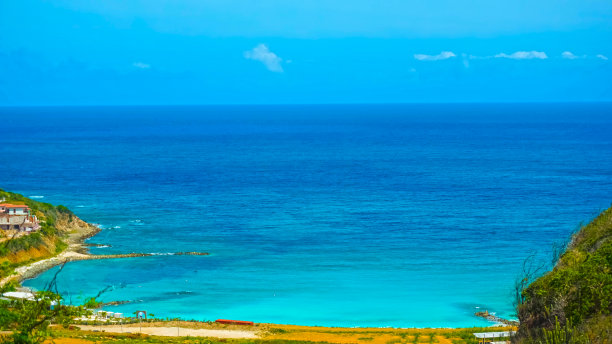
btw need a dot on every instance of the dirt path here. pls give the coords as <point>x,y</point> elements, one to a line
<point>172,331</point>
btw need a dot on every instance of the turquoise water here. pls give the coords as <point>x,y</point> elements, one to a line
<point>378,215</point>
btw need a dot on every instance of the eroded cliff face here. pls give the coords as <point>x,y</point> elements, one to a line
<point>47,248</point>
<point>73,229</point>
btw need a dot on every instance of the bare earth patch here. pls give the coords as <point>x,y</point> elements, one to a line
<point>172,331</point>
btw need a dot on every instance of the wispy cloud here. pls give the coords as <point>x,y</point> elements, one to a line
<point>568,55</point>
<point>518,55</point>
<point>441,56</point>
<point>524,55</point>
<point>262,54</point>
<point>141,65</point>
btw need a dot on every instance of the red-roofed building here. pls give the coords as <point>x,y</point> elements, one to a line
<point>17,217</point>
<point>14,209</point>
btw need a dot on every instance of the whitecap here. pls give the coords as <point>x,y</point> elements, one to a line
<point>37,196</point>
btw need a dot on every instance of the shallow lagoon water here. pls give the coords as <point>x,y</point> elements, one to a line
<point>378,215</point>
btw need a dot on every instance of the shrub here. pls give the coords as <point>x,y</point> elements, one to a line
<point>578,289</point>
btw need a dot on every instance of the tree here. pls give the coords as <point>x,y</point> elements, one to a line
<point>33,317</point>
<point>30,318</point>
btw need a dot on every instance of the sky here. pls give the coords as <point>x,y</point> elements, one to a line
<point>167,52</point>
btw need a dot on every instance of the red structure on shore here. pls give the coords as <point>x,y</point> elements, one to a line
<point>234,322</point>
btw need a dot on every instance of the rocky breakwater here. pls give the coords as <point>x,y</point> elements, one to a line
<point>495,318</point>
<point>70,255</point>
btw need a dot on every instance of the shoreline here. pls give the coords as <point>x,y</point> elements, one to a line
<point>34,269</point>
<point>75,239</point>
<point>77,250</point>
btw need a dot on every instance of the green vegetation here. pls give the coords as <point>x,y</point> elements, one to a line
<point>29,320</point>
<point>275,330</point>
<point>49,210</point>
<point>92,303</point>
<point>33,240</point>
<point>48,238</point>
<point>573,302</point>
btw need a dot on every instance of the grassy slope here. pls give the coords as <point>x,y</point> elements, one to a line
<point>578,290</point>
<point>57,223</point>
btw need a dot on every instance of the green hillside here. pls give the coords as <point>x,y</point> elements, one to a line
<point>573,302</point>
<point>58,223</point>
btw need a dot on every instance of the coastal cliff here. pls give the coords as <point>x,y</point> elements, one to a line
<point>574,300</point>
<point>59,229</point>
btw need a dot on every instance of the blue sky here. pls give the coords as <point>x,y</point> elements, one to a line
<point>116,52</point>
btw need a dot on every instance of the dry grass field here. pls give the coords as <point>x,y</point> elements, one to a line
<point>272,334</point>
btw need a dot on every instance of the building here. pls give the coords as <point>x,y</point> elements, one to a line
<point>17,217</point>
<point>14,209</point>
<point>24,223</point>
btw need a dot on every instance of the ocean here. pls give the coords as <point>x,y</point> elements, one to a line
<point>414,215</point>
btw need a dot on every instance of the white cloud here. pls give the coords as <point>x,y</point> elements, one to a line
<point>441,56</point>
<point>524,55</point>
<point>603,57</point>
<point>568,55</point>
<point>141,65</point>
<point>262,54</point>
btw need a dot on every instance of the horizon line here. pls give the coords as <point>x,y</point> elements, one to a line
<point>304,104</point>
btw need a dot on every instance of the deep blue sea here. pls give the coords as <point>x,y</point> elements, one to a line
<point>343,215</point>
